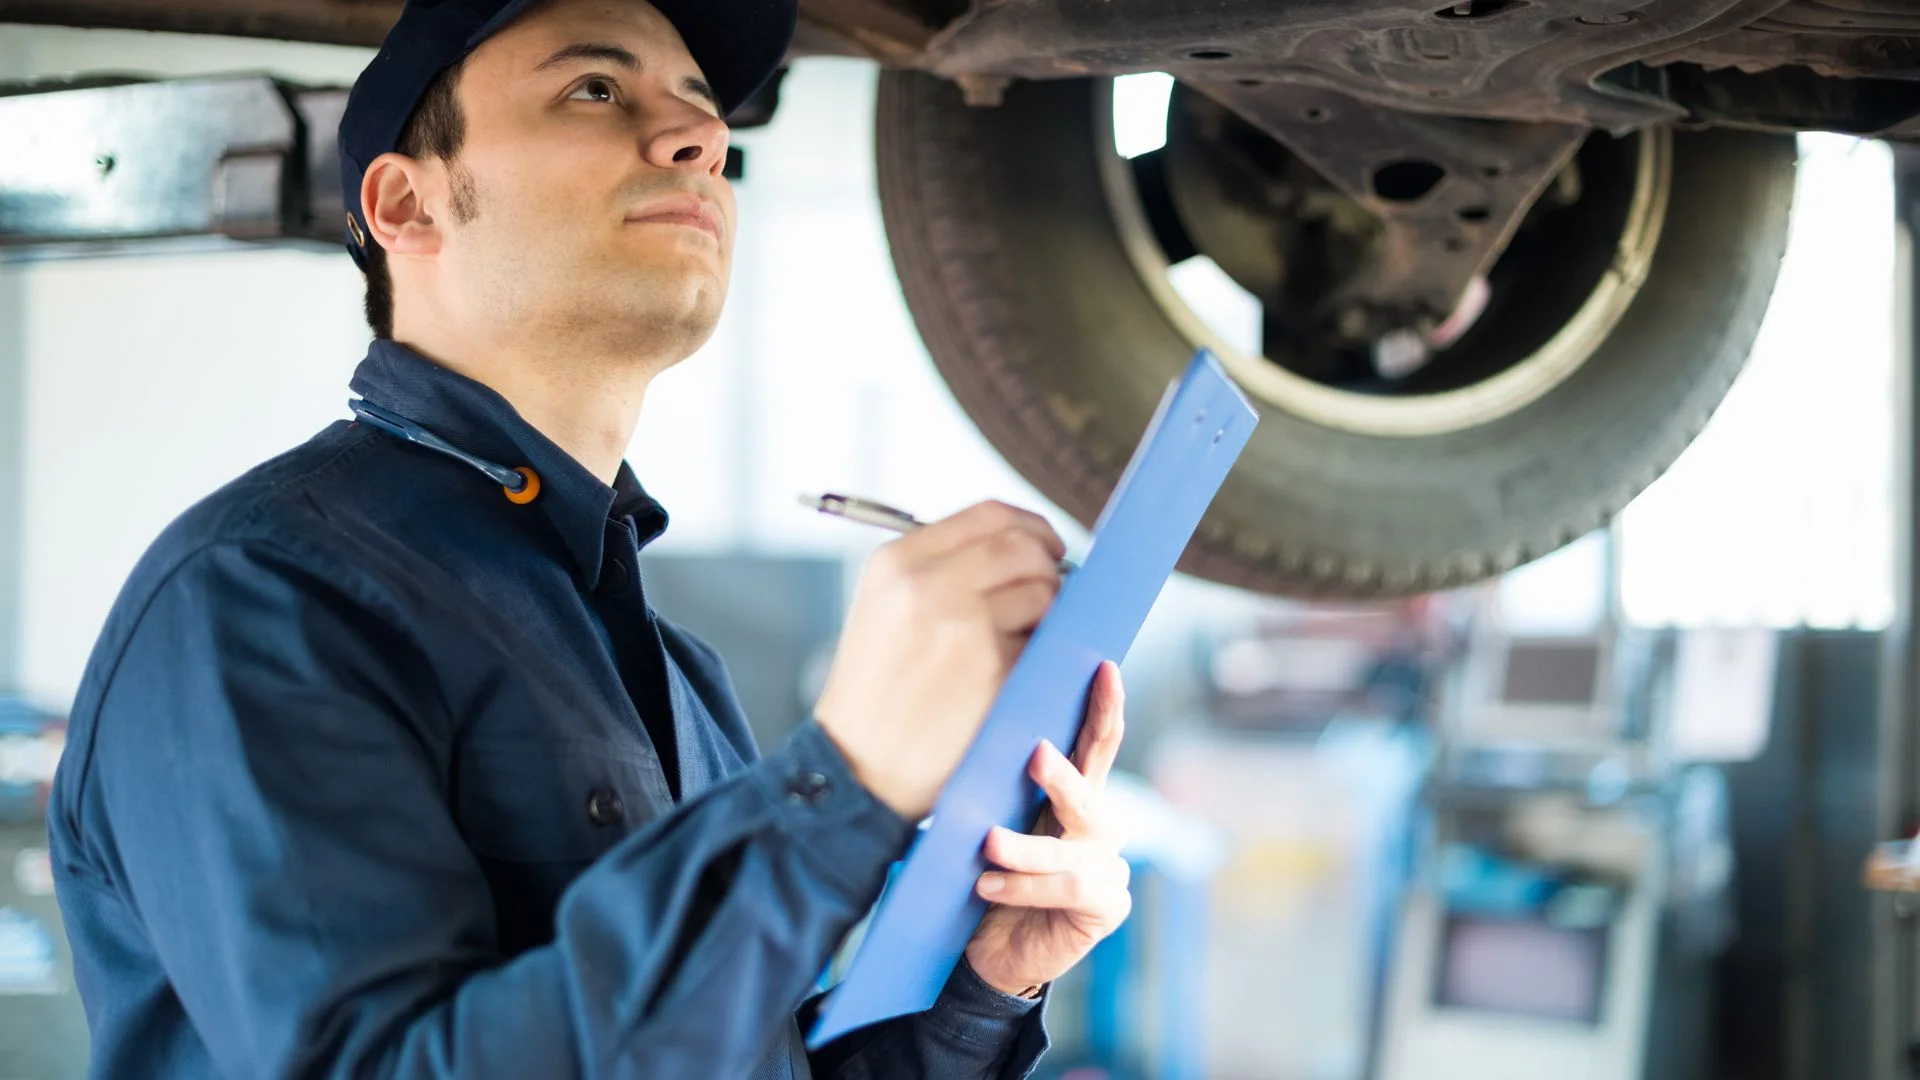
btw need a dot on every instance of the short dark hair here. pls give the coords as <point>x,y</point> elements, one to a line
<point>435,130</point>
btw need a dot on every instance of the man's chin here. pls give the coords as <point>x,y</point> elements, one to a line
<point>667,332</point>
<point>674,276</point>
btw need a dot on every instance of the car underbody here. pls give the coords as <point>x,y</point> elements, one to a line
<point>1844,65</point>
<point>1381,97</point>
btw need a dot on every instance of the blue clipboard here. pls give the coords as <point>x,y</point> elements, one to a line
<point>930,910</point>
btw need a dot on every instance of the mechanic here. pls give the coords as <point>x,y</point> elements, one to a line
<point>384,767</point>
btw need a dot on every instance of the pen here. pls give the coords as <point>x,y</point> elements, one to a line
<point>879,515</point>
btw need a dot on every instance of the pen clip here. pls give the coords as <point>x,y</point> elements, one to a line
<point>838,504</point>
<point>870,506</point>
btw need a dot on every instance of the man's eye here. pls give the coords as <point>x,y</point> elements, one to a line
<point>594,90</point>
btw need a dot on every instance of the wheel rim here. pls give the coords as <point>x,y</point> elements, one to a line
<point>1410,415</point>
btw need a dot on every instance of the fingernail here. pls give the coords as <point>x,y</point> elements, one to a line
<point>992,883</point>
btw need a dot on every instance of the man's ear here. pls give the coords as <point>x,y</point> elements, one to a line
<point>392,199</point>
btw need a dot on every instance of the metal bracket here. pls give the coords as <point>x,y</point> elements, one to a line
<point>247,158</point>
<point>1449,192</point>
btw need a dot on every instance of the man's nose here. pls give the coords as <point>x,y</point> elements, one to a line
<point>693,141</point>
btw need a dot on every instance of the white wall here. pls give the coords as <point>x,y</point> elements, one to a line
<point>148,384</point>
<point>12,446</point>
<point>12,468</point>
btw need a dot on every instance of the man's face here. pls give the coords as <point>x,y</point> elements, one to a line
<point>594,209</point>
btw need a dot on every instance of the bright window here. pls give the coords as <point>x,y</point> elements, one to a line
<point>1780,514</point>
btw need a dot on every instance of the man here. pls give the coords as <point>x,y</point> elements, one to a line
<point>383,767</point>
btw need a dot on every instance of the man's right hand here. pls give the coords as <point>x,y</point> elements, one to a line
<point>938,619</point>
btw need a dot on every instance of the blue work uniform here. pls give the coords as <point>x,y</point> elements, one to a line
<point>376,772</point>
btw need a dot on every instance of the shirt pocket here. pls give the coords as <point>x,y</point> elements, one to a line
<point>537,802</point>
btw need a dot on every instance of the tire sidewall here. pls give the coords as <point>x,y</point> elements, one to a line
<point>1014,268</point>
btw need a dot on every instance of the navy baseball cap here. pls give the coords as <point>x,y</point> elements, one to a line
<point>737,43</point>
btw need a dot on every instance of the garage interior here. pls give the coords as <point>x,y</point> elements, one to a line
<point>1635,807</point>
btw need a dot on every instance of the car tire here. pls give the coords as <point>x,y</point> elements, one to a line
<point>1031,299</point>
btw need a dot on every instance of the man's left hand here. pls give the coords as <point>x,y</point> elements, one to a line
<point>1062,888</point>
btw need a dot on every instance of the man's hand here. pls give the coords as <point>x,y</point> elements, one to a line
<point>938,619</point>
<point>1063,888</point>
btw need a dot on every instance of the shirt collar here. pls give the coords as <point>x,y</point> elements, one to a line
<point>475,418</point>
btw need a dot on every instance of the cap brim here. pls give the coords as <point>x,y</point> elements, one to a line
<point>738,44</point>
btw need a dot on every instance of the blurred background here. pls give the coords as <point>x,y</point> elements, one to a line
<point>1602,817</point>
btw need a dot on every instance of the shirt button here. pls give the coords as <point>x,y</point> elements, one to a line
<point>810,788</point>
<point>613,578</point>
<point>604,807</point>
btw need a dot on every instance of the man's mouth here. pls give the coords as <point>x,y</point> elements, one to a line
<point>689,210</point>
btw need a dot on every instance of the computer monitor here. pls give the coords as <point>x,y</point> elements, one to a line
<point>1553,673</point>
<point>1522,967</point>
<point>1546,692</point>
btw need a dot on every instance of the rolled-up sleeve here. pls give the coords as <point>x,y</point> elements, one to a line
<point>270,762</point>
